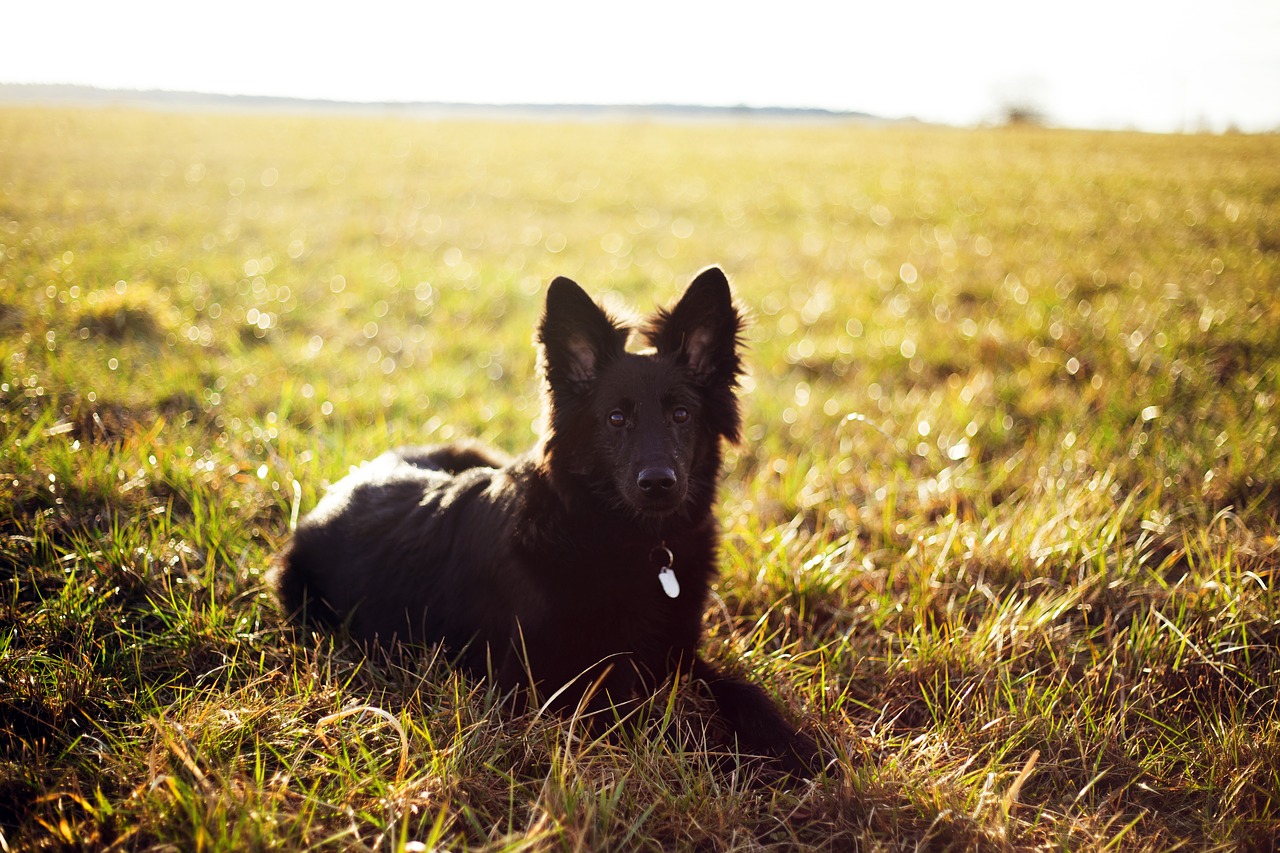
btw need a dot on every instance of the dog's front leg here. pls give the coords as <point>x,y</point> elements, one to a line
<point>758,722</point>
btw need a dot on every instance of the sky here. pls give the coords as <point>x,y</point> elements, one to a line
<point>1158,65</point>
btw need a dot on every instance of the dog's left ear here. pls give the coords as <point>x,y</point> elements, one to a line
<point>577,337</point>
<point>702,330</point>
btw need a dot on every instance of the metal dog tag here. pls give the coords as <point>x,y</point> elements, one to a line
<point>663,560</point>
<point>670,583</point>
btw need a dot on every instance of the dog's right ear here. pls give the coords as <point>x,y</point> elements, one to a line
<point>577,337</point>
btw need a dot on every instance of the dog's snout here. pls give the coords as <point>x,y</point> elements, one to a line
<point>656,480</point>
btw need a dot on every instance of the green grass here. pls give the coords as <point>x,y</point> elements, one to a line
<point>1003,533</point>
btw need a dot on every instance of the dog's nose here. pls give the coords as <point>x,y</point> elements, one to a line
<point>656,480</point>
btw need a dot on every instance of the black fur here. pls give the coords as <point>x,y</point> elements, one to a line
<point>543,570</point>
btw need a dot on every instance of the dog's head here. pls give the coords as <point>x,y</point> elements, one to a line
<point>641,428</point>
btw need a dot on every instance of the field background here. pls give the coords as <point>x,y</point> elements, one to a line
<point>1002,533</point>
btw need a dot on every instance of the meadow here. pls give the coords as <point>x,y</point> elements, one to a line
<point>1002,533</point>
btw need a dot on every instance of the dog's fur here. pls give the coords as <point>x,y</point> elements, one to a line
<point>542,571</point>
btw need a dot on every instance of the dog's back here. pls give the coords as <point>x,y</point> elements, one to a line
<point>394,547</point>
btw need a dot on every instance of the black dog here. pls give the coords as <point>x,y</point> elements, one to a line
<point>581,569</point>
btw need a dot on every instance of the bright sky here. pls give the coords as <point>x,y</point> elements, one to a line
<point>1150,64</point>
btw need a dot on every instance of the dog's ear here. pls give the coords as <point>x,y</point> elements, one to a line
<point>702,330</point>
<point>577,337</point>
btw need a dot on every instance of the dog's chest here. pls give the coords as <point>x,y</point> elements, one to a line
<point>621,604</point>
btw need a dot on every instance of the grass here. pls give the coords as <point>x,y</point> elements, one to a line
<point>1003,533</point>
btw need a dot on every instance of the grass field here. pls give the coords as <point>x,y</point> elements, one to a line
<point>1003,533</point>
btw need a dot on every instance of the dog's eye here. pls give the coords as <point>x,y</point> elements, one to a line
<point>679,415</point>
<point>617,419</point>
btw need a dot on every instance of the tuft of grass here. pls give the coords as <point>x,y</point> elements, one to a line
<point>120,312</point>
<point>1002,534</point>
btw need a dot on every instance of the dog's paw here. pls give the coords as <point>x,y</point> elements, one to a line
<point>802,757</point>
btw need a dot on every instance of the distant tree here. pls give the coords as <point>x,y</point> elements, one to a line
<point>1018,99</point>
<point>1023,114</point>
